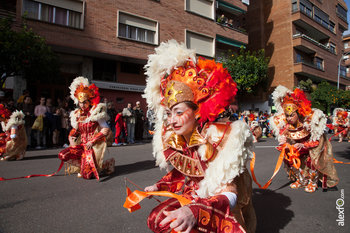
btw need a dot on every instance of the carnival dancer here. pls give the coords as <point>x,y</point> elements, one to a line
<point>341,124</point>
<point>14,146</point>
<point>209,158</point>
<point>300,132</point>
<point>87,138</point>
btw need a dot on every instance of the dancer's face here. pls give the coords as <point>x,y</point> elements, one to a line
<point>182,119</point>
<point>292,118</point>
<point>84,105</point>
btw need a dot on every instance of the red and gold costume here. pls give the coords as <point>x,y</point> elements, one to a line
<point>314,160</point>
<point>341,123</point>
<point>213,162</point>
<point>87,129</point>
<point>14,143</point>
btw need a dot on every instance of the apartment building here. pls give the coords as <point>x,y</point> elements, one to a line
<point>303,39</point>
<point>109,41</point>
<point>345,70</point>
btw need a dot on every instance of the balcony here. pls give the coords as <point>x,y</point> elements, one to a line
<point>231,26</point>
<point>319,21</point>
<point>308,45</point>
<point>311,64</point>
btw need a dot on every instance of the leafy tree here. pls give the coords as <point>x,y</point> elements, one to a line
<point>25,53</point>
<point>326,95</point>
<point>248,70</point>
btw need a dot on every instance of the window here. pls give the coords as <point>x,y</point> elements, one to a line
<point>346,45</point>
<point>318,19</point>
<point>201,7</point>
<point>137,28</point>
<point>342,71</point>
<point>294,6</point>
<point>332,47</point>
<point>130,68</point>
<point>68,13</point>
<point>119,100</point>
<point>299,58</point>
<point>104,70</point>
<point>342,12</point>
<point>331,26</point>
<point>203,44</point>
<point>319,63</point>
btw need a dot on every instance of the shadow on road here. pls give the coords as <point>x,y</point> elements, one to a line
<point>131,168</point>
<point>268,203</point>
<point>54,156</point>
<point>344,153</point>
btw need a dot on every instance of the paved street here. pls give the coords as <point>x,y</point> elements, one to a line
<point>70,204</point>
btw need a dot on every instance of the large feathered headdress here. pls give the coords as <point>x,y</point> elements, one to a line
<point>81,90</point>
<point>174,76</point>
<point>291,101</point>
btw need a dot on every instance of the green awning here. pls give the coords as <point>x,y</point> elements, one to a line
<point>230,6</point>
<point>228,41</point>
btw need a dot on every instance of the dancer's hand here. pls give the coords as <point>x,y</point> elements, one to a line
<point>88,145</point>
<point>298,146</point>
<point>151,189</point>
<point>282,140</point>
<point>183,218</point>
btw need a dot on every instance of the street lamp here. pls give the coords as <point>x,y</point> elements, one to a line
<point>342,57</point>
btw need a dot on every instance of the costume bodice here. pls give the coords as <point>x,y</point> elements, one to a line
<point>86,129</point>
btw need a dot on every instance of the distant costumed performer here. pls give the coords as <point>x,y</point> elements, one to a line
<point>300,132</point>
<point>88,136</point>
<point>209,159</point>
<point>13,145</point>
<point>341,124</point>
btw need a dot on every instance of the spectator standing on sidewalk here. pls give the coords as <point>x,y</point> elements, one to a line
<point>41,110</point>
<point>129,113</point>
<point>28,110</point>
<point>56,127</point>
<point>140,119</point>
<point>151,117</point>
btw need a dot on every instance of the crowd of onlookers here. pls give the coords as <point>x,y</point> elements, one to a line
<point>127,125</point>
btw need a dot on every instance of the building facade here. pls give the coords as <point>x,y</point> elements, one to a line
<point>345,70</point>
<point>109,41</point>
<point>303,38</point>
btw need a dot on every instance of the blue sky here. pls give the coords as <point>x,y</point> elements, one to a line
<point>348,5</point>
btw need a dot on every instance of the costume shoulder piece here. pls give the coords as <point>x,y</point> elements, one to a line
<point>277,122</point>
<point>17,118</point>
<point>97,112</point>
<point>233,144</point>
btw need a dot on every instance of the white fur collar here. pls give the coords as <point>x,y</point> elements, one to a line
<point>97,112</point>
<point>15,119</point>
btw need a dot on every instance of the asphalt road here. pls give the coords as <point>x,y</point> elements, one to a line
<point>70,204</point>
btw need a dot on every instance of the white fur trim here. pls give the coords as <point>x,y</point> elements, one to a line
<point>230,161</point>
<point>168,56</point>
<point>317,124</point>
<point>276,128</point>
<point>17,118</point>
<point>158,145</point>
<point>76,82</point>
<point>97,112</point>
<point>279,93</point>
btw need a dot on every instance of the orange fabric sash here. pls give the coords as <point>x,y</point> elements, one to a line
<point>277,168</point>
<point>133,199</point>
<point>336,161</point>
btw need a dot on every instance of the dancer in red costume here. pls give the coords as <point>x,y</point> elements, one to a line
<point>341,124</point>
<point>208,158</point>
<point>14,144</point>
<point>300,132</point>
<point>87,138</point>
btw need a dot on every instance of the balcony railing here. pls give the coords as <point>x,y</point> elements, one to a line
<point>308,13</point>
<point>342,17</point>
<point>240,29</point>
<point>315,42</point>
<point>317,66</point>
